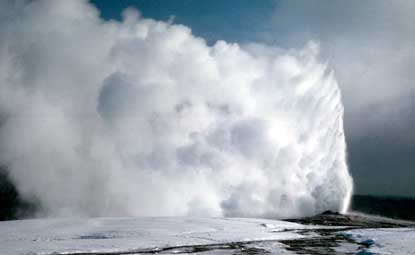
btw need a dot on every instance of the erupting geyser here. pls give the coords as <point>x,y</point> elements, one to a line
<point>142,118</point>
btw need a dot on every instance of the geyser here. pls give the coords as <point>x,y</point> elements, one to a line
<point>142,118</point>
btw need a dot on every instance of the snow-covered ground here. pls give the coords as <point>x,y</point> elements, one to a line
<point>173,235</point>
<point>128,234</point>
<point>384,241</point>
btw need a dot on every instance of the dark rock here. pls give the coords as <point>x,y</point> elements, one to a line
<point>353,220</point>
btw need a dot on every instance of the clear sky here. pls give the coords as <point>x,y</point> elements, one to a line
<point>369,44</point>
<point>238,21</point>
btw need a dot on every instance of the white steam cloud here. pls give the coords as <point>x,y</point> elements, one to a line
<point>142,118</point>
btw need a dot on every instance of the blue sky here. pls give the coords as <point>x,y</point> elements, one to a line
<point>235,21</point>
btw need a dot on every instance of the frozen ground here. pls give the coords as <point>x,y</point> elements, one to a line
<point>184,235</point>
<point>124,235</point>
<point>382,241</point>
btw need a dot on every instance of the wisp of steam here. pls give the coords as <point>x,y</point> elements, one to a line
<point>142,118</point>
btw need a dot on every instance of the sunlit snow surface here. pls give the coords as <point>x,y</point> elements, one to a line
<point>184,235</point>
<point>130,234</point>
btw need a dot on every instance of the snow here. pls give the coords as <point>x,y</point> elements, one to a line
<point>384,241</point>
<point>172,235</point>
<point>60,236</point>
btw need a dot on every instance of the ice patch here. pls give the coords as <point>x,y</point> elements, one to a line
<point>384,241</point>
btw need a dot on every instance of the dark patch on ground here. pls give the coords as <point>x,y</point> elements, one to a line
<point>324,244</point>
<point>237,248</point>
<point>355,220</point>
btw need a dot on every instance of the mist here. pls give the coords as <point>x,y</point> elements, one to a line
<point>370,46</point>
<point>142,118</point>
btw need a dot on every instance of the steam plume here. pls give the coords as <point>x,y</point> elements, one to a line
<point>142,118</point>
